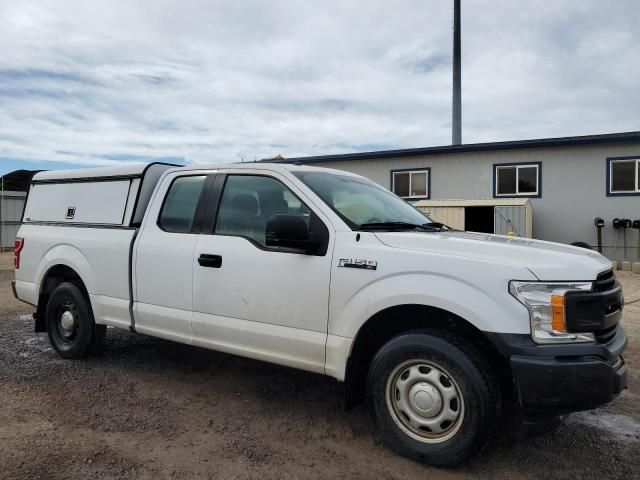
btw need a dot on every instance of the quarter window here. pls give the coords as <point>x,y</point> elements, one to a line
<point>411,184</point>
<point>180,204</point>
<point>624,176</point>
<point>248,201</point>
<point>517,180</point>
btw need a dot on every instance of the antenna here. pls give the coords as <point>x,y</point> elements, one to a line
<point>456,122</point>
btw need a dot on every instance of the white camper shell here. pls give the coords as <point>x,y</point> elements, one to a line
<point>109,196</point>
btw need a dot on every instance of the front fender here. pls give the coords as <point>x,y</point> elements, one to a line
<point>487,305</point>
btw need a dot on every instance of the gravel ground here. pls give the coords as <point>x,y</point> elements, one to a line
<point>150,409</point>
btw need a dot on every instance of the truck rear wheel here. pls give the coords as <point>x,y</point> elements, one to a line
<point>434,397</point>
<point>70,324</point>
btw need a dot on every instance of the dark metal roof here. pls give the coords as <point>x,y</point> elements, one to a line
<point>18,180</point>
<point>469,147</point>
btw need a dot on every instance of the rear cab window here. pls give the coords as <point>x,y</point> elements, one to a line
<point>180,204</point>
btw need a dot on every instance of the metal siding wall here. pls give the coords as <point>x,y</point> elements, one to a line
<point>573,186</point>
<point>9,233</point>
<point>11,205</point>
<point>517,217</point>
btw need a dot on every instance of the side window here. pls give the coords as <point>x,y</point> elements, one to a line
<point>411,184</point>
<point>180,204</point>
<point>517,180</point>
<point>624,176</point>
<point>247,203</point>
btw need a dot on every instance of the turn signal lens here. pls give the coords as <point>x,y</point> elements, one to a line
<point>558,322</point>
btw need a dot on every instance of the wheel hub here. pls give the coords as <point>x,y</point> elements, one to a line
<point>425,399</point>
<point>67,320</point>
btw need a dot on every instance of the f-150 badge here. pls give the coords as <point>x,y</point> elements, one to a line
<point>358,263</point>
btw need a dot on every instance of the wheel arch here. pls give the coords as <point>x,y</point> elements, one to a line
<point>392,321</point>
<point>54,276</point>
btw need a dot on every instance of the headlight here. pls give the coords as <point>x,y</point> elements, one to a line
<point>546,305</point>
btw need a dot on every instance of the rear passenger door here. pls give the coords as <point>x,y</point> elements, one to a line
<point>164,256</point>
<point>251,299</point>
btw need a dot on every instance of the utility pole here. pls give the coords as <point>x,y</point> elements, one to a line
<point>456,121</point>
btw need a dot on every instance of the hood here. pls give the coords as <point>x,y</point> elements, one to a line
<point>546,260</point>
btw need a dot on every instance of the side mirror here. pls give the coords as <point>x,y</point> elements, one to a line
<point>290,231</point>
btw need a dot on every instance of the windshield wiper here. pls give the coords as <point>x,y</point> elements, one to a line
<point>393,226</point>
<point>429,227</point>
<point>437,226</point>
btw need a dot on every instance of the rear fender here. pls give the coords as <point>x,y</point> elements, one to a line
<point>70,256</point>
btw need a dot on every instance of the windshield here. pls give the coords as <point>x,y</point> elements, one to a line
<point>361,202</point>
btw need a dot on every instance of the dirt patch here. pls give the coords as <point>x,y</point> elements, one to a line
<point>149,409</point>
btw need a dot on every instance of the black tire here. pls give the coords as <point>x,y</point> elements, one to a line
<point>68,304</point>
<point>582,245</point>
<point>462,367</point>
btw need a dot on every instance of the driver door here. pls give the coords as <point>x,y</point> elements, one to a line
<point>251,299</point>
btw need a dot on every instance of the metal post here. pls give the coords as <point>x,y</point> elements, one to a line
<point>456,123</point>
<point>599,239</point>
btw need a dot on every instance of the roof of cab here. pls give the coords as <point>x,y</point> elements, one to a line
<point>259,166</point>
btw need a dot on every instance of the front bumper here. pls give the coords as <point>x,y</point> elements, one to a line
<point>557,379</point>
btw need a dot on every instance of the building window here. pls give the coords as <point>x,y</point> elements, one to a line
<point>517,180</point>
<point>623,176</point>
<point>411,184</point>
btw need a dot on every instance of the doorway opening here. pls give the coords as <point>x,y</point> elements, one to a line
<point>479,219</point>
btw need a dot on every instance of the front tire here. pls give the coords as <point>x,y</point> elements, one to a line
<point>434,398</point>
<point>70,325</point>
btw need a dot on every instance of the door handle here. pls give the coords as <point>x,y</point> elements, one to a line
<point>211,261</point>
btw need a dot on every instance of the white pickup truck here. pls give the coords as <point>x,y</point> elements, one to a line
<point>326,271</point>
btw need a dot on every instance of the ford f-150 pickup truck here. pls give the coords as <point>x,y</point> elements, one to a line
<point>326,271</point>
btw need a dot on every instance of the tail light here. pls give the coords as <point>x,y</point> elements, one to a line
<point>18,246</point>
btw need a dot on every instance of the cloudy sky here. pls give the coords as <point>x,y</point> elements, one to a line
<point>97,83</point>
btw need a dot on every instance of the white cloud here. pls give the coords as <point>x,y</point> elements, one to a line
<point>102,82</point>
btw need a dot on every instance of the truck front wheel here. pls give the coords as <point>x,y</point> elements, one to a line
<point>434,397</point>
<point>70,325</point>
